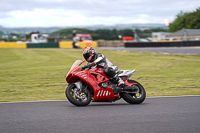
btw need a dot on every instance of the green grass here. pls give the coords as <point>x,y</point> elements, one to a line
<point>39,74</point>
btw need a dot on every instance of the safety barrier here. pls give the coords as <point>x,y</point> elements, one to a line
<point>110,43</point>
<point>94,44</point>
<point>86,44</point>
<point>162,44</point>
<point>12,45</point>
<point>65,45</point>
<point>81,44</point>
<point>45,45</point>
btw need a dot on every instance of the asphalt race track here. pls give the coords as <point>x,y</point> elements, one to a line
<point>154,115</point>
<point>163,50</point>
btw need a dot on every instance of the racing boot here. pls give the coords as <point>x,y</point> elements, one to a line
<point>121,83</point>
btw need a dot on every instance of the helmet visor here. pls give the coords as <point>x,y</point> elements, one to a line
<point>86,56</point>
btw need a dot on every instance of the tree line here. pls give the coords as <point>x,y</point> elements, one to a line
<point>106,34</point>
<point>187,20</point>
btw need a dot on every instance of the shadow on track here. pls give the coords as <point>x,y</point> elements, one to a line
<point>95,104</point>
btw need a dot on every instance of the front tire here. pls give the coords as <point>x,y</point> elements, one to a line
<point>134,98</point>
<point>76,97</point>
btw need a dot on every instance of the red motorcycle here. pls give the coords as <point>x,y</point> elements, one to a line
<point>93,85</point>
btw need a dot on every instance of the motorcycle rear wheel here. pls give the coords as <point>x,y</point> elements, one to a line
<point>76,97</point>
<point>135,98</point>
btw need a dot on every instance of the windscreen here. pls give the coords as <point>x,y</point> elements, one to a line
<point>75,63</point>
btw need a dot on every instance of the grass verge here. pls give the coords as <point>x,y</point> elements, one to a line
<point>39,74</point>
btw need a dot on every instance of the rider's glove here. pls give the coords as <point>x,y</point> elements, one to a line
<point>91,64</point>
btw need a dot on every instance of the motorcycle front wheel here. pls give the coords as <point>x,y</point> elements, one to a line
<point>136,97</point>
<point>77,97</point>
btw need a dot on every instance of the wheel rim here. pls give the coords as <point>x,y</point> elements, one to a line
<point>78,95</point>
<point>138,92</point>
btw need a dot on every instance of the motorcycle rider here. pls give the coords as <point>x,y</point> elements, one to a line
<point>99,60</point>
<point>74,44</point>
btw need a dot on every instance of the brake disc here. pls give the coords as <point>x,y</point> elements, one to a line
<point>78,94</point>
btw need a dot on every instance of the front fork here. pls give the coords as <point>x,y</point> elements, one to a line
<point>79,85</point>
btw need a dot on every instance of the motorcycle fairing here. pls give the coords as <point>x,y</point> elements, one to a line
<point>125,74</point>
<point>75,67</point>
<point>93,77</point>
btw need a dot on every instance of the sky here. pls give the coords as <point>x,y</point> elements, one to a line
<point>48,13</point>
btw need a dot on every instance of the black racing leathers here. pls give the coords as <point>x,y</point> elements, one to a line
<point>109,69</point>
<point>102,62</point>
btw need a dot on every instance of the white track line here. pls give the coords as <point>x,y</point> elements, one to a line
<point>174,96</point>
<point>67,100</point>
<point>35,101</point>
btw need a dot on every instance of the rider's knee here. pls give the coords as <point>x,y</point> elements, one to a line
<point>110,71</point>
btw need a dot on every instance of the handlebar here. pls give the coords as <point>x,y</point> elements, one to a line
<point>84,67</point>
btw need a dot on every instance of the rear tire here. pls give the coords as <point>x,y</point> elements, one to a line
<point>73,95</point>
<point>134,98</point>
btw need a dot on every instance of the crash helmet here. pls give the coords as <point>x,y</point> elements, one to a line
<point>89,53</point>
